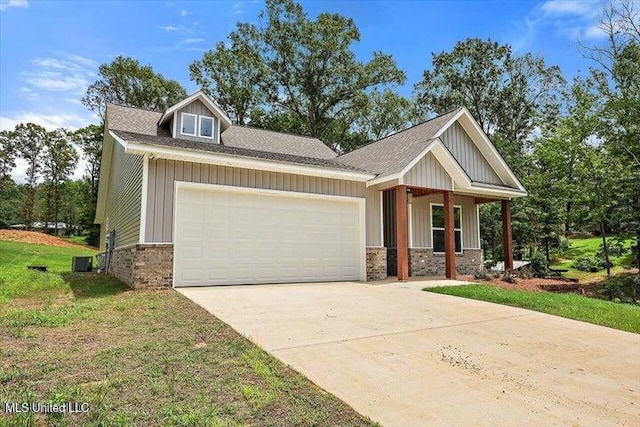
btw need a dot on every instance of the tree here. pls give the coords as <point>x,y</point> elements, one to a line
<point>307,69</point>
<point>89,139</point>
<point>232,76</point>
<point>508,95</point>
<point>58,162</point>
<point>386,112</point>
<point>124,81</point>
<point>11,196</point>
<point>7,157</point>
<point>28,140</point>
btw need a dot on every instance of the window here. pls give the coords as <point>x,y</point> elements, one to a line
<point>188,124</point>
<point>206,127</point>
<point>437,228</point>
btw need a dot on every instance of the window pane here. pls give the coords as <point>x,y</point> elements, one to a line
<point>437,216</point>
<point>206,127</point>
<point>458,241</point>
<point>188,124</point>
<point>456,218</point>
<point>438,240</point>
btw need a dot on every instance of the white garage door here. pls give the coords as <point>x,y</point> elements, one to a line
<point>229,235</point>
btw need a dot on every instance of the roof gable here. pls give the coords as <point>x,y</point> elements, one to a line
<point>225,122</point>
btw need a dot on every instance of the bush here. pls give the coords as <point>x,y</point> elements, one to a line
<point>590,264</point>
<point>539,265</point>
<point>481,275</point>
<point>615,248</point>
<point>625,289</point>
<point>508,277</point>
<point>525,273</point>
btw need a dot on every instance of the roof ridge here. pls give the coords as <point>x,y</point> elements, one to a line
<point>278,132</point>
<point>134,108</point>
<point>403,130</point>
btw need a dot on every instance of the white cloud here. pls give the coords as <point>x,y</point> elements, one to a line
<point>56,81</point>
<point>4,5</point>
<point>193,40</point>
<point>237,8</point>
<point>169,28</point>
<point>184,12</point>
<point>594,32</point>
<point>568,7</point>
<point>62,72</point>
<point>48,121</point>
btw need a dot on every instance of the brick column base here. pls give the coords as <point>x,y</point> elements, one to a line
<point>376,263</point>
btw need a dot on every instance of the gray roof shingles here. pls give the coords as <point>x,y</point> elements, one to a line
<point>168,141</point>
<point>390,155</point>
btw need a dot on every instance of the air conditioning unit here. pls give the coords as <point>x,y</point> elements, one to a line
<point>81,263</point>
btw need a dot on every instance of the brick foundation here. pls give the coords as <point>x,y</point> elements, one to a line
<point>423,262</point>
<point>148,266</point>
<point>376,263</point>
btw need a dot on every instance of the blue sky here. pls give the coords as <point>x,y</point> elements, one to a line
<point>50,51</point>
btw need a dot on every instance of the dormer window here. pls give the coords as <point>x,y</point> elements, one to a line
<point>206,127</point>
<point>188,124</point>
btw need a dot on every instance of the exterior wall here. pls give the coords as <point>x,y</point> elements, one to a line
<point>373,212</point>
<point>144,266</point>
<point>428,173</point>
<point>124,195</point>
<point>423,262</point>
<point>376,263</point>
<point>163,174</point>
<point>421,221</point>
<point>198,108</point>
<point>468,155</point>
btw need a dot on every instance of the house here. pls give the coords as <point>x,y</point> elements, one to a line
<point>188,199</point>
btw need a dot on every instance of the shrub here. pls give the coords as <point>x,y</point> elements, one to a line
<point>508,277</point>
<point>591,264</point>
<point>539,265</point>
<point>525,273</point>
<point>625,289</point>
<point>615,248</point>
<point>481,275</point>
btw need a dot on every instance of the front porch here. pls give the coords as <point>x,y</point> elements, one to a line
<point>431,232</point>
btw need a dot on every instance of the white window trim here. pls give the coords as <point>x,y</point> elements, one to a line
<point>431,205</point>
<point>213,127</point>
<point>195,125</point>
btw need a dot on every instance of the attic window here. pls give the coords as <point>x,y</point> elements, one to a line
<point>188,124</point>
<point>206,127</point>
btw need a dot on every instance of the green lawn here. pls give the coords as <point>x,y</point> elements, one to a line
<point>78,240</point>
<point>600,312</point>
<point>137,357</point>
<point>586,248</point>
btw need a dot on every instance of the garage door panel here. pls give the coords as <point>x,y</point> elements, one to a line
<point>239,237</point>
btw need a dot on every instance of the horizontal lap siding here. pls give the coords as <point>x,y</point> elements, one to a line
<point>468,155</point>
<point>428,173</point>
<point>122,211</point>
<point>421,220</point>
<point>163,174</point>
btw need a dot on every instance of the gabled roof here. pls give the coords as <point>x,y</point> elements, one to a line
<point>390,155</point>
<point>199,95</point>
<point>276,142</point>
<point>394,155</point>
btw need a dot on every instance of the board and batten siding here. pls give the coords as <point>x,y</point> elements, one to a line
<point>468,155</point>
<point>428,173</point>
<point>421,220</point>
<point>124,195</point>
<point>199,109</point>
<point>163,174</point>
<point>373,211</point>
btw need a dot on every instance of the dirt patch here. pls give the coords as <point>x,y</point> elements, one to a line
<point>534,284</point>
<point>37,238</point>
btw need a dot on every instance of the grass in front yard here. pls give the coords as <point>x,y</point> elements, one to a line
<point>588,247</point>
<point>625,317</point>
<point>139,358</point>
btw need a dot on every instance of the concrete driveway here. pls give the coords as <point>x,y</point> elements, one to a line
<point>409,358</point>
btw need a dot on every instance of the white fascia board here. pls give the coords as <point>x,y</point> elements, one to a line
<point>386,178</point>
<point>205,100</point>
<point>242,162</point>
<point>479,191</point>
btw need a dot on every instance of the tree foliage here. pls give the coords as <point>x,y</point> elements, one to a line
<point>125,82</point>
<point>298,67</point>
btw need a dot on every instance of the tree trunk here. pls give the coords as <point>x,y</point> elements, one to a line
<point>605,248</point>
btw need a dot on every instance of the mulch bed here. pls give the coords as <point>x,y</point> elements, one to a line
<point>37,238</point>
<point>536,284</point>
